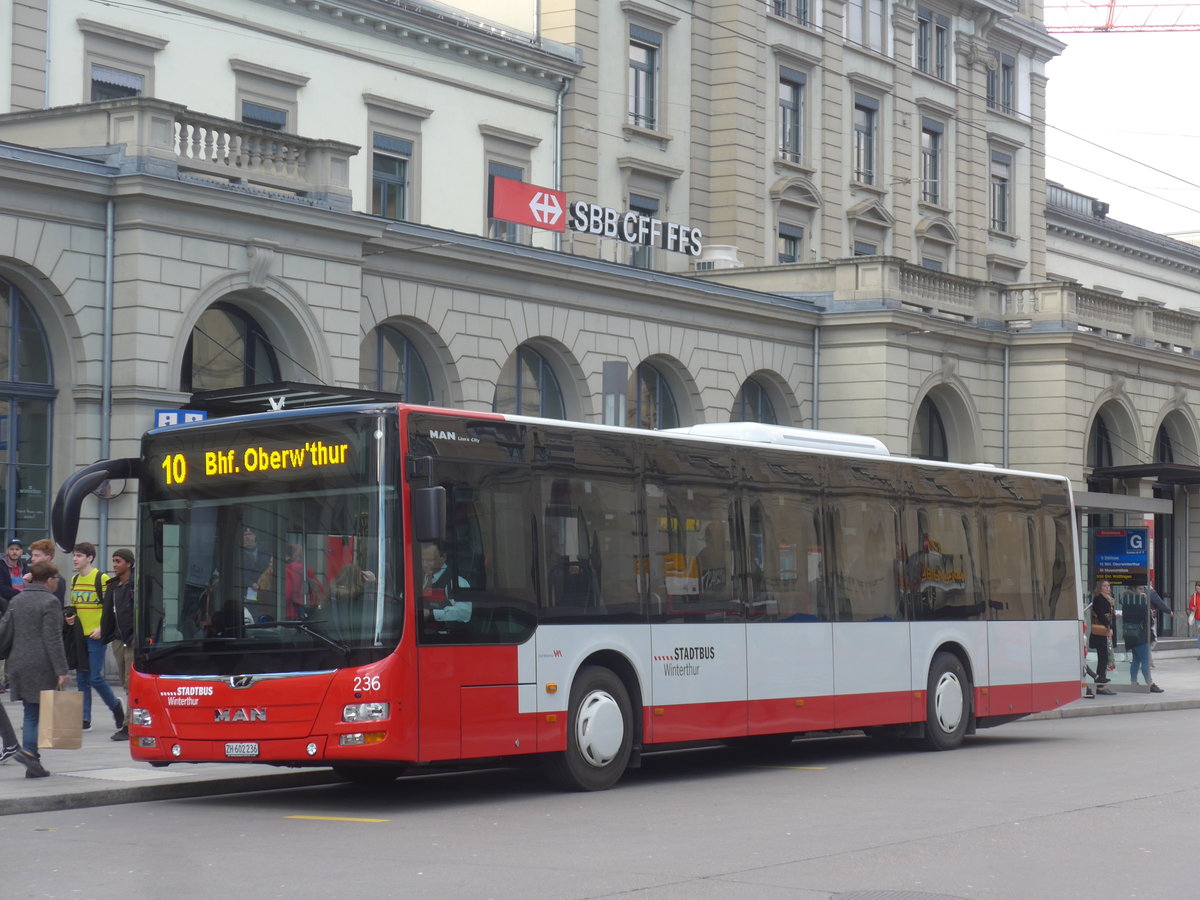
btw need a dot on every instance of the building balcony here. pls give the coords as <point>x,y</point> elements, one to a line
<point>150,136</point>
<point>1141,321</point>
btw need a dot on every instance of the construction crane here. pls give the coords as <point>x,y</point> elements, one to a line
<point>1113,17</point>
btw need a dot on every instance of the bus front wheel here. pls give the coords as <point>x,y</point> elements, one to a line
<point>599,733</point>
<point>947,703</point>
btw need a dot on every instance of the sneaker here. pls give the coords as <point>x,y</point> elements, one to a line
<point>118,712</point>
<point>87,724</point>
<point>1101,681</point>
<point>1155,689</point>
<point>1106,692</point>
<point>6,752</point>
<point>121,734</point>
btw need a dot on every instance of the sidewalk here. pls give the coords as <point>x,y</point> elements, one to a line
<point>101,773</point>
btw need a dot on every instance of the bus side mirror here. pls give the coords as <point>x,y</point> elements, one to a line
<point>429,514</point>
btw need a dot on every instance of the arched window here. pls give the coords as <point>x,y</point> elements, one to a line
<point>1100,447</point>
<point>929,433</point>
<point>1164,450</point>
<point>26,410</point>
<point>753,404</point>
<point>529,387</point>
<point>653,403</point>
<point>227,349</point>
<point>388,361</point>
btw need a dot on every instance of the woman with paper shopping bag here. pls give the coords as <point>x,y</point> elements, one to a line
<point>38,662</point>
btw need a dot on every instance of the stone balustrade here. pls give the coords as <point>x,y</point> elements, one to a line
<point>148,135</point>
<point>1142,321</point>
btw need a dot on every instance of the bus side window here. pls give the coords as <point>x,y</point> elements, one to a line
<point>590,548</point>
<point>868,563</point>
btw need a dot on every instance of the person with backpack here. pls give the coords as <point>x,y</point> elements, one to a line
<point>87,596</point>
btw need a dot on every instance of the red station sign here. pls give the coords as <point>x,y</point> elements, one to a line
<point>527,204</point>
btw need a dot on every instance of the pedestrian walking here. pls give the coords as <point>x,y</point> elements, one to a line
<point>1137,630</point>
<point>11,582</point>
<point>37,662</point>
<point>1194,613</point>
<point>116,623</point>
<point>1103,620</point>
<point>87,595</point>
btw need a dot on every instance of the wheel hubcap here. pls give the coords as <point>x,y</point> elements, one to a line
<point>599,728</point>
<point>948,702</point>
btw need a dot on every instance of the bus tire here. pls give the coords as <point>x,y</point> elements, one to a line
<point>947,703</point>
<point>369,776</point>
<point>599,734</point>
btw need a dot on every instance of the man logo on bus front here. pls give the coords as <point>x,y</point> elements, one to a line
<point>241,681</point>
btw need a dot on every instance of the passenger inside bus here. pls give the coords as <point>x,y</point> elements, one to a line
<point>438,586</point>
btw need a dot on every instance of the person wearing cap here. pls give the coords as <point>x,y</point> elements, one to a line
<point>116,623</point>
<point>9,585</point>
<point>14,578</point>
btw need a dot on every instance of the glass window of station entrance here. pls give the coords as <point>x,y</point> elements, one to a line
<point>560,524</point>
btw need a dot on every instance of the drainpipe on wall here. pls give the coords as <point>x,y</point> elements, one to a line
<point>558,147</point>
<point>1004,423</point>
<point>106,387</point>
<point>816,378</point>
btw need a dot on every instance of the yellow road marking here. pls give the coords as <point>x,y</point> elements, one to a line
<point>335,819</point>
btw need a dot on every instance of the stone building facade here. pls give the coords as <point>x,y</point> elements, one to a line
<point>307,201</point>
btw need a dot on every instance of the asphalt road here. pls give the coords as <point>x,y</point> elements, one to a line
<point>1103,806</point>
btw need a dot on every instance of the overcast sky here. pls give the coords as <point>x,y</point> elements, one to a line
<point>1134,95</point>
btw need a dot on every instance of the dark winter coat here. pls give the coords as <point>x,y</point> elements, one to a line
<point>38,658</point>
<point>116,617</point>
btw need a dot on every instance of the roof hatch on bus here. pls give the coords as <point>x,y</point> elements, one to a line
<point>801,438</point>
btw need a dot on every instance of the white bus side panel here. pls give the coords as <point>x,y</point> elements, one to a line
<point>927,637</point>
<point>561,649</point>
<point>789,660</point>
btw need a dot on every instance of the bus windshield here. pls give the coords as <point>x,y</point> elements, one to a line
<point>264,549</point>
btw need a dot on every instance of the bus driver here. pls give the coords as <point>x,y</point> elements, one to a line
<point>441,606</point>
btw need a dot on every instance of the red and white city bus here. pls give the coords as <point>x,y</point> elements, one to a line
<point>381,586</point>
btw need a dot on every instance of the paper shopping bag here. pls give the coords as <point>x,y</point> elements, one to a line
<point>60,720</point>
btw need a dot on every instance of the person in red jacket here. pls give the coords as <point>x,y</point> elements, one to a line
<point>1194,612</point>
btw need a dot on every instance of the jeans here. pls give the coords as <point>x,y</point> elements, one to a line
<point>29,727</point>
<point>94,678</point>
<point>1141,657</point>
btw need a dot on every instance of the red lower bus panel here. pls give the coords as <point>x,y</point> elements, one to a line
<point>1054,695</point>
<point>794,715</point>
<point>696,722</point>
<point>1011,700</point>
<point>492,726</point>
<point>865,710</point>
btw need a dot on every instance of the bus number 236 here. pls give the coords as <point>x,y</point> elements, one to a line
<point>366,683</point>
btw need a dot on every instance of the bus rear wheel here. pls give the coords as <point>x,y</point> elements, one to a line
<point>947,703</point>
<point>599,733</point>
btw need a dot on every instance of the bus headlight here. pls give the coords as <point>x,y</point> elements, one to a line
<point>140,717</point>
<point>364,712</point>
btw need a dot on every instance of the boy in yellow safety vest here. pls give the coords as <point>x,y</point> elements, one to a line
<point>87,593</point>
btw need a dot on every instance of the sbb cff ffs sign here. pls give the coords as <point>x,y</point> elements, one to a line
<point>539,207</point>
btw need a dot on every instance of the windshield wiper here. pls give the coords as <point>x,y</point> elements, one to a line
<point>309,630</point>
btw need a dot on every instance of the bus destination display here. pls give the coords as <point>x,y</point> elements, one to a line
<point>235,462</point>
